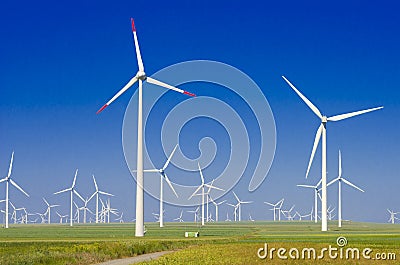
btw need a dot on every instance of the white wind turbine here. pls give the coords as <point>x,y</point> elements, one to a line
<point>72,191</point>
<point>9,180</point>
<point>316,194</point>
<point>392,216</point>
<point>276,206</point>
<point>179,219</point>
<point>49,209</point>
<point>288,213</point>
<point>201,187</point>
<point>196,213</point>
<point>163,176</point>
<point>96,193</point>
<point>235,209</point>
<point>239,203</point>
<point>216,207</point>
<point>322,131</point>
<point>62,217</point>
<point>140,77</point>
<point>339,179</point>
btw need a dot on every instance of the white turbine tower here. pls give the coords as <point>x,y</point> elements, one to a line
<point>322,131</point>
<point>239,204</point>
<point>339,179</point>
<point>201,187</point>
<point>276,206</point>
<point>316,194</point>
<point>163,176</point>
<point>9,180</point>
<point>49,206</point>
<point>72,190</point>
<point>97,192</point>
<point>140,77</point>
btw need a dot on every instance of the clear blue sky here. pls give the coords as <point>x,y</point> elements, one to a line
<point>60,62</point>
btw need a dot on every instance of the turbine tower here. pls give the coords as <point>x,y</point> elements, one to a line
<point>322,131</point>
<point>9,180</point>
<point>163,176</point>
<point>72,191</point>
<point>140,77</point>
<point>339,179</point>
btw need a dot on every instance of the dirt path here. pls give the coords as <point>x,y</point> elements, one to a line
<point>132,260</point>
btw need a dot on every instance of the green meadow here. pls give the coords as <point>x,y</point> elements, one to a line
<point>219,243</point>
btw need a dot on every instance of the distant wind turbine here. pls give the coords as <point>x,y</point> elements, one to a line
<point>96,193</point>
<point>276,206</point>
<point>239,204</point>
<point>322,131</point>
<point>49,209</point>
<point>72,192</point>
<point>202,187</point>
<point>339,179</point>
<point>316,194</point>
<point>163,176</point>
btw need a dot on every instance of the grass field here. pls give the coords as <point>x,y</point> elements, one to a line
<point>219,243</point>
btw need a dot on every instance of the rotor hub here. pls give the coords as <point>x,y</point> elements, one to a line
<point>141,75</point>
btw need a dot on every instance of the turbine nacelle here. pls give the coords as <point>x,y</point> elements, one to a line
<point>324,119</point>
<point>141,75</point>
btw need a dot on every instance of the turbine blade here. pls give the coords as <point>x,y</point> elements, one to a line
<point>128,85</point>
<point>305,186</point>
<point>319,183</point>
<point>149,170</point>
<point>332,181</point>
<point>170,184</point>
<point>270,204</point>
<point>169,158</point>
<point>138,55</point>
<point>76,174</point>
<point>106,193</point>
<point>46,202</point>
<point>80,197</point>
<point>18,187</point>
<point>11,164</point>
<point>316,142</point>
<point>351,184</point>
<point>61,191</point>
<point>237,198</point>
<point>95,183</point>
<point>309,104</point>
<point>195,192</point>
<point>162,84</point>
<point>201,174</point>
<point>351,114</point>
<point>91,197</point>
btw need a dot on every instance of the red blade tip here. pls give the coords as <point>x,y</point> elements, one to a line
<point>133,25</point>
<point>102,108</point>
<point>189,94</point>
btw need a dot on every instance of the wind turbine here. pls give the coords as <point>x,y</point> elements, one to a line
<point>61,217</point>
<point>201,187</point>
<point>48,209</point>
<point>163,176</point>
<point>240,205</point>
<point>216,207</point>
<point>73,191</point>
<point>140,77</point>
<point>339,179</point>
<point>392,216</point>
<point>97,192</point>
<point>316,194</point>
<point>196,213</point>
<point>276,208</point>
<point>235,208</point>
<point>179,218</point>
<point>288,213</point>
<point>322,131</point>
<point>9,180</point>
